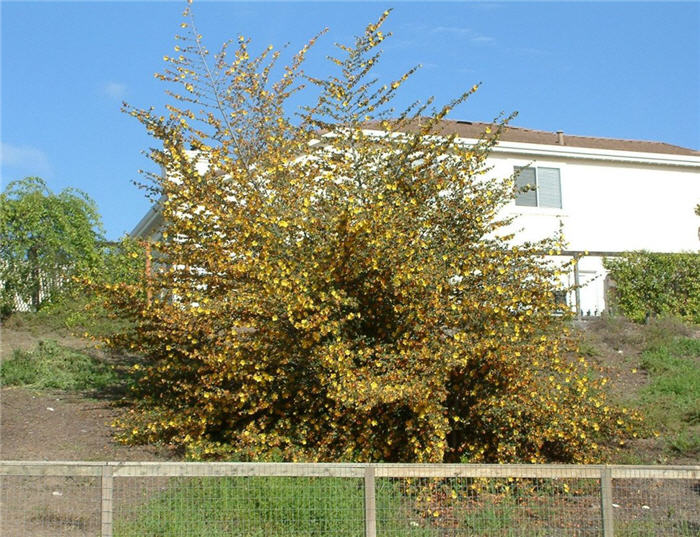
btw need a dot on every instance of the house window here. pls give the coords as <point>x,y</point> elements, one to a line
<point>546,183</point>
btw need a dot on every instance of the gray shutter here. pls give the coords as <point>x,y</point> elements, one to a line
<point>549,187</point>
<point>525,177</point>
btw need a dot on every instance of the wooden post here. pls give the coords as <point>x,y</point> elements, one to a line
<point>107,498</point>
<point>606,502</point>
<point>577,285</point>
<point>370,503</point>
<point>148,273</point>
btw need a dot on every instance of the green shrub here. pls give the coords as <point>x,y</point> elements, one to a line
<point>656,284</point>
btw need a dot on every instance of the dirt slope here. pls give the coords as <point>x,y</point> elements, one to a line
<point>57,425</point>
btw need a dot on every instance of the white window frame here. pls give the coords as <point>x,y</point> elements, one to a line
<point>517,168</point>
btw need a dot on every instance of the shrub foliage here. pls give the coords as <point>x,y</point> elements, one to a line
<point>338,287</point>
<point>80,308</point>
<point>50,245</point>
<point>45,239</point>
<point>656,284</point>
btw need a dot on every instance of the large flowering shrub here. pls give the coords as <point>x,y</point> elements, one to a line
<point>336,287</point>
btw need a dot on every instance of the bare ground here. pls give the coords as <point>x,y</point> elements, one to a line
<point>56,426</point>
<point>41,425</point>
<point>60,426</point>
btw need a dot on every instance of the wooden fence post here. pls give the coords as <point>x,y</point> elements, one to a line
<point>577,284</point>
<point>370,503</point>
<point>148,272</point>
<point>606,502</point>
<point>107,498</point>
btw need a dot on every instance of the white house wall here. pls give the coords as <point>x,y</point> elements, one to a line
<point>610,207</point>
<point>615,207</point>
<point>612,201</point>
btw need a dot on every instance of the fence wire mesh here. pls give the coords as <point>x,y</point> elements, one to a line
<point>651,507</point>
<point>47,506</point>
<point>488,507</point>
<point>238,506</point>
<point>345,500</point>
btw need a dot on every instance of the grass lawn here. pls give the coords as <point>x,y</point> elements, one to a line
<point>54,366</point>
<point>671,399</point>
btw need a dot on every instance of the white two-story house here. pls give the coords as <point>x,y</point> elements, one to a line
<point>607,195</point>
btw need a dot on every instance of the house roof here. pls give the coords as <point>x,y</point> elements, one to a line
<point>474,129</point>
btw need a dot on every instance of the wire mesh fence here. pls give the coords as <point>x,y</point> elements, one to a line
<point>346,500</point>
<point>489,507</point>
<point>650,507</point>
<point>238,506</point>
<point>44,506</point>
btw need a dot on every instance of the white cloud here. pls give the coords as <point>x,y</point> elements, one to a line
<point>456,30</point>
<point>114,90</point>
<point>464,33</point>
<point>530,52</point>
<point>24,159</point>
<point>481,39</point>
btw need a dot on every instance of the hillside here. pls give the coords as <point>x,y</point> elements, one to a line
<point>653,368</point>
<point>53,424</point>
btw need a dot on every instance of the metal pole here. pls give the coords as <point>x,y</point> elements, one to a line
<point>370,503</point>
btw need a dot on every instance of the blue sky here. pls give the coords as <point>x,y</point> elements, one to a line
<point>621,70</point>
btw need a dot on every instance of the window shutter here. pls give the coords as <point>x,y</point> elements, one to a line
<point>549,187</point>
<point>524,177</point>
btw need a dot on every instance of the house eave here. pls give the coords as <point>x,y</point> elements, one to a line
<point>578,153</point>
<point>148,223</point>
<point>584,153</point>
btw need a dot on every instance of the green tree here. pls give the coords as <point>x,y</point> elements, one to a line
<point>340,285</point>
<point>45,240</point>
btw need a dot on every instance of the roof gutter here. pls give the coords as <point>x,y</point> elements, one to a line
<point>149,220</point>
<point>585,153</point>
